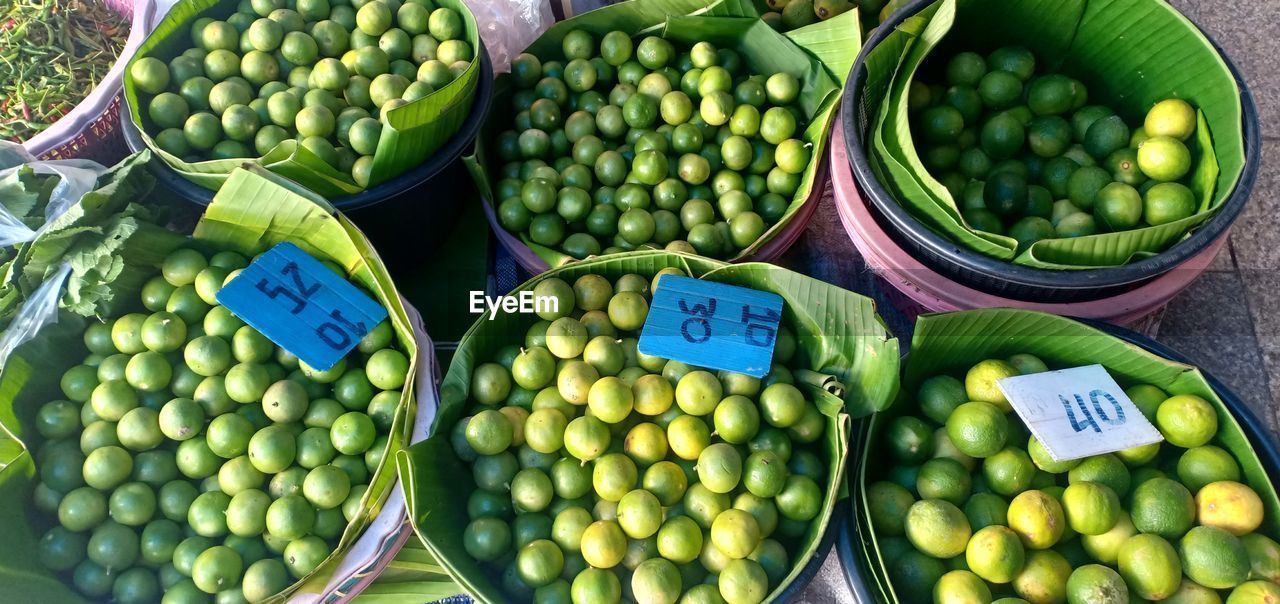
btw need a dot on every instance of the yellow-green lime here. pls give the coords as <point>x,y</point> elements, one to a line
<point>980,382</point>
<point>960,587</point>
<point>1037,518</point>
<point>1139,455</point>
<point>1105,547</point>
<point>1190,592</point>
<point>1171,117</point>
<point>1264,556</point>
<point>1044,577</point>
<point>1106,469</point>
<point>1229,505</point>
<point>1147,398</point>
<point>1150,566</point>
<point>995,553</point>
<point>937,528</point>
<point>1043,460</point>
<point>1255,592</point>
<point>1091,508</point>
<point>1164,158</point>
<point>1096,584</point>
<point>1187,420</point>
<point>944,448</point>
<point>1214,557</point>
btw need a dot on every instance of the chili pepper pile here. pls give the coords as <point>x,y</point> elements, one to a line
<point>52,54</point>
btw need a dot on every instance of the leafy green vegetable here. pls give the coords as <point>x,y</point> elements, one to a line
<point>110,238</point>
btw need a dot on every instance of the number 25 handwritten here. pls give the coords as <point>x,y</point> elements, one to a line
<point>336,335</point>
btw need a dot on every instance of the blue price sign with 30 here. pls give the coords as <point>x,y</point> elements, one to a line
<point>712,325</point>
<point>302,305</point>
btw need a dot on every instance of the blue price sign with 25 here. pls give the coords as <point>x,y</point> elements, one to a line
<point>302,305</point>
<point>712,325</point>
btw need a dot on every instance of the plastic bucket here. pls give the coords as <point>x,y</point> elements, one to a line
<point>927,288</point>
<point>401,216</point>
<point>771,250</point>
<point>991,276</point>
<point>850,546</point>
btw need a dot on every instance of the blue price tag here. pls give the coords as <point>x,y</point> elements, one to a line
<point>301,305</point>
<point>712,325</point>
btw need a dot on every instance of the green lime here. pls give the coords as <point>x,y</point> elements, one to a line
<point>1037,518</point>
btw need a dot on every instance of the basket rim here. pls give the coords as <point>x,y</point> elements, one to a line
<point>955,258</point>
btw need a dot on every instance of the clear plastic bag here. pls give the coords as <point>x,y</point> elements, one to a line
<point>40,309</point>
<point>509,26</point>
<point>75,178</point>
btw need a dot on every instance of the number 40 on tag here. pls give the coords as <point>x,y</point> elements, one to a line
<point>1078,412</point>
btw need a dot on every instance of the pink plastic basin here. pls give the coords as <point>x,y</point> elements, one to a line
<point>935,293</point>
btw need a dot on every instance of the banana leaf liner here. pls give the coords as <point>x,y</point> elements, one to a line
<point>1085,39</point>
<point>952,342</point>
<point>253,211</point>
<point>838,334</point>
<point>820,55</point>
<point>410,134</point>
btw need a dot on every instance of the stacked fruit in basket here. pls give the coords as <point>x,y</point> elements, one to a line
<point>192,457</point>
<point>625,144</point>
<point>976,508</point>
<point>319,73</point>
<point>601,471</point>
<point>1024,154</point>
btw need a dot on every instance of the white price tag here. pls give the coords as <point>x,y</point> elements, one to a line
<point>1078,412</point>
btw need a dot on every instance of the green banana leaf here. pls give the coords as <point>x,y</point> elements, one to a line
<point>1083,38</point>
<point>821,54</point>
<point>254,210</point>
<point>950,343</point>
<point>838,333</point>
<point>898,155</point>
<point>410,133</point>
<point>413,576</point>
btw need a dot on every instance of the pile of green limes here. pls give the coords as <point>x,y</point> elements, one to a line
<point>976,508</point>
<point>1025,155</point>
<point>601,472</point>
<point>324,72</point>
<point>624,145</point>
<point>192,458</point>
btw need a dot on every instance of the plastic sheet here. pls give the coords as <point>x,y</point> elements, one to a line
<point>75,178</point>
<point>510,26</point>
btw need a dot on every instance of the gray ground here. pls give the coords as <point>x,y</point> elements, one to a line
<point>1227,322</point>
